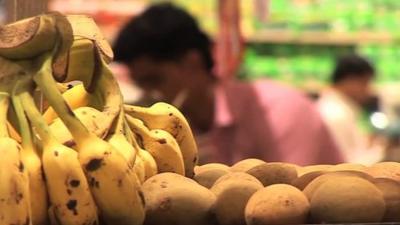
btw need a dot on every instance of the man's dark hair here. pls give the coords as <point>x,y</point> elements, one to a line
<point>352,66</point>
<point>162,32</point>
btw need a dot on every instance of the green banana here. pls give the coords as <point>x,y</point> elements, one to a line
<point>117,194</point>
<point>166,117</point>
<point>14,188</point>
<point>31,159</point>
<point>67,186</point>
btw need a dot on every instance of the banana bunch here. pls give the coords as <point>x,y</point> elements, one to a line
<point>76,154</point>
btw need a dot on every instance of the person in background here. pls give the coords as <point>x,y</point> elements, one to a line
<point>170,58</point>
<point>341,108</point>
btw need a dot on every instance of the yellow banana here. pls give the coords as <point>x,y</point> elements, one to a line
<point>13,133</point>
<point>150,165</point>
<point>117,194</point>
<point>33,165</point>
<point>85,27</point>
<point>166,117</point>
<point>14,188</point>
<point>81,61</point>
<point>27,38</point>
<point>161,145</point>
<point>119,141</point>
<point>67,186</point>
<point>89,116</point>
<point>75,97</point>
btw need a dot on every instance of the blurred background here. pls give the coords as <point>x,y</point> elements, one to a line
<point>292,41</point>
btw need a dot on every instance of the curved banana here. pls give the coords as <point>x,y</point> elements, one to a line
<point>119,141</point>
<point>161,145</point>
<point>85,27</point>
<point>13,133</point>
<point>89,116</point>
<point>166,117</point>
<point>117,194</point>
<point>150,165</point>
<point>81,61</point>
<point>28,38</point>
<point>14,188</point>
<point>33,165</point>
<point>67,186</point>
<point>75,97</point>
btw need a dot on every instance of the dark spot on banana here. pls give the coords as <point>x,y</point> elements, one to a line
<point>94,164</point>
<point>141,196</point>
<point>56,153</point>
<point>27,221</point>
<point>170,114</point>
<point>19,197</point>
<point>69,143</point>
<point>195,159</point>
<point>71,205</point>
<point>69,191</point>
<point>119,182</point>
<point>162,141</point>
<point>84,112</point>
<point>75,183</point>
<point>69,86</point>
<point>21,167</point>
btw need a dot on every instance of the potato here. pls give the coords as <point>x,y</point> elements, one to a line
<point>199,169</point>
<point>305,179</point>
<point>347,167</point>
<point>274,173</point>
<point>308,169</point>
<point>246,164</point>
<point>207,177</point>
<point>348,199</point>
<point>172,199</point>
<point>385,170</point>
<point>391,194</point>
<point>237,175</point>
<point>232,196</point>
<point>277,204</point>
<point>317,182</point>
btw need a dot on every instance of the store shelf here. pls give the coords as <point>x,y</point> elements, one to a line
<point>120,7</point>
<point>320,38</point>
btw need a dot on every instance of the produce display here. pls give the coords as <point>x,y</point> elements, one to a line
<point>74,154</point>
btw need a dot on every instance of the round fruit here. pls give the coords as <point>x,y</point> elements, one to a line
<point>172,199</point>
<point>232,196</point>
<point>347,200</point>
<point>304,180</point>
<point>246,164</point>
<point>318,181</point>
<point>274,173</point>
<point>207,178</point>
<point>385,170</point>
<point>391,193</point>
<point>277,204</point>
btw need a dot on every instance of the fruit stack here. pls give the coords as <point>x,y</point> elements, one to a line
<point>76,155</point>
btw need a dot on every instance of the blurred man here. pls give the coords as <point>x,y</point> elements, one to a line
<point>341,104</point>
<point>170,59</point>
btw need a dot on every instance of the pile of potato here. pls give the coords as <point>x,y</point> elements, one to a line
<point>254,192</point>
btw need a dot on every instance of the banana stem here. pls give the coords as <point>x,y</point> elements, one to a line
<point>36,118</point>
<point>45,80</point>
<point>24,127</point>
<point>4,103</point>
